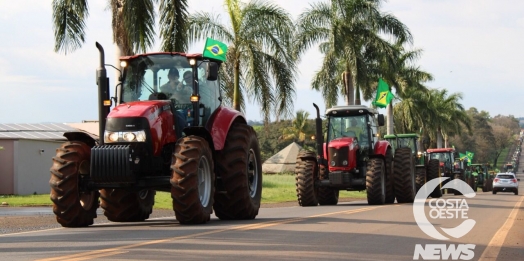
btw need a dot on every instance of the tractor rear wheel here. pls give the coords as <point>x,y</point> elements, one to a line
<point>405,189</point>
<point>326,195</point>
<point>72,207</point>
<point>390,188</point>
<point>433,173</point>
<point>240,168</point>
<point>192,180</point>
<point>122,205</point>
<point>376,182</point>
<point>306,173</point>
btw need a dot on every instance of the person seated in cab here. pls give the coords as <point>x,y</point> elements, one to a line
<point>176,89</point>
<point>354,130</point>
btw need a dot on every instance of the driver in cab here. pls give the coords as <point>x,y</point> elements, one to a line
<point>354,130</point>
<point>176,89</point>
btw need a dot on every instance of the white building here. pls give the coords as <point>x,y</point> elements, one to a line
<point>26,152</point>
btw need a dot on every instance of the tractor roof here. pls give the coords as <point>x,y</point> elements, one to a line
<point>441,150</point>
<point>197,56</point>
<point>404,135</point>
<point>350,110</point>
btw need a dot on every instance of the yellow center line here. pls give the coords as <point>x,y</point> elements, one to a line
<point>493,249</point>
<point>118,250</point>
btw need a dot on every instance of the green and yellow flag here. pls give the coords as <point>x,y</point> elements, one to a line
<point>470,155</point>
<point>384,96</point>
<point>215,50</point>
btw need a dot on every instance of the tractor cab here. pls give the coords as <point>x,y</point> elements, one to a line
<point>351,130</point>
<point>185,82</point>
<point>447,160</point>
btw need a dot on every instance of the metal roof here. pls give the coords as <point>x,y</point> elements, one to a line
<point>37,131</point>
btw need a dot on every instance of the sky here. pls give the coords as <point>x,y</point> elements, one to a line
<point>473,47</point>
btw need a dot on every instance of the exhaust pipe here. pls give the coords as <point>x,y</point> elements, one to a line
<point>319,137</point>
<point>103,94</point>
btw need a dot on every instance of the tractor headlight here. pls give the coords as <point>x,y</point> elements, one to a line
<point>124,136</point>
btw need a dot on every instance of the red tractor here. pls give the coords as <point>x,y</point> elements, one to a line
<point>352,158</point>
<point>201,152</point>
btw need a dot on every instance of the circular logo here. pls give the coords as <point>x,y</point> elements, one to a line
<point>215,49</point>
<point>450,208</point>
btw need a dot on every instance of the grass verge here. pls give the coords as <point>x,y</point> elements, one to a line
<point>275,189</point>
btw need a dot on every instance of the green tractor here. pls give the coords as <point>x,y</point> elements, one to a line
<point>425,169</point>
<point>483,178</point>
<point>450,167</point>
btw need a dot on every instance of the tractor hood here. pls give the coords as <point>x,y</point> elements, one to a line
<point>147,109</point>
<point>342,154</point>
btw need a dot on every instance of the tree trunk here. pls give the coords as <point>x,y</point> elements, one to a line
<point>357,95</point>
<point>347,79</point>
<point>389,113</point>
<point>439,138</point>
<point>236,85</point>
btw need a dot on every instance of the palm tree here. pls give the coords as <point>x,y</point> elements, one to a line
<point>132,21</point>
<point>404,75</point>
<point>299,128</point>
<point>447,114</point>
<point>349,35</point>
<point>259,41</point>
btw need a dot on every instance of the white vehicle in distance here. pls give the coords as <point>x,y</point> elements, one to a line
<point>506,182</point>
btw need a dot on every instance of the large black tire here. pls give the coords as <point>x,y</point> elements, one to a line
<point>432,170</point>
<point>240,167</point>
<point>72,207</point>
<point>485,186</point>
<point>404,169</point>
<point>390,188</point>
<point>326,195</point>
<point>376,181</point>
<point>457,177</point>
<point>420,177</point>
<point>122,205</point>
<point>306,173</point>
<point>192,180</point>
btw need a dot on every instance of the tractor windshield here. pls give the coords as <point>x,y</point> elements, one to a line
<point>349,126</point>
<point>166,76</point>
<point>408,143</point>
<point>444,157</point>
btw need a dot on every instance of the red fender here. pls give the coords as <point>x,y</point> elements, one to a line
<point>381,147</point>
<point>220,123</point>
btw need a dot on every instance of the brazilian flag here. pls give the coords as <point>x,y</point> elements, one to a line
<point>384,96</point>
<point>215,50</point>
<point>470,155</point>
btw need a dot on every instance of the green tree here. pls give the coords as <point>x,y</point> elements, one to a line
<point>299,129</point>
<point>349,36</point>
<point>259,61</point>
<point>406,77</point>
<point>133,23</point>
<point>447,114</point>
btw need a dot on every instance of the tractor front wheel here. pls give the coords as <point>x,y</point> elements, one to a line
<point>72,207</point>
<point>306,173</point>
<point>240,168</point>
<point>192,180</point>
<point>376,182</point>
<point>433,173</point>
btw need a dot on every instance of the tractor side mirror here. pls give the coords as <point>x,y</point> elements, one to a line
<point>212,71</point>
<point>380,120</point>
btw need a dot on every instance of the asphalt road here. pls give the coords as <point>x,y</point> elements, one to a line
<point>348,231</point>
